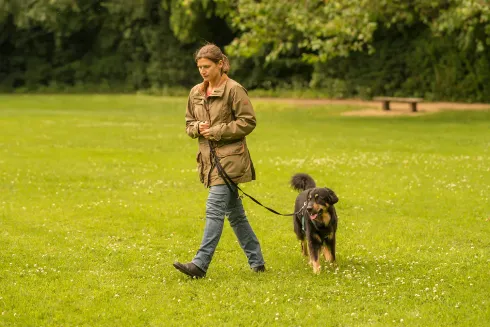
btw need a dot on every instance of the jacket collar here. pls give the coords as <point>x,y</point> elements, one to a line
<point>219,90</point>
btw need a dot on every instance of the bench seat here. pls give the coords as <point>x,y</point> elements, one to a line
<point>386,102</point>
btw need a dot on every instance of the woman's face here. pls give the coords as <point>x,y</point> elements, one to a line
<point>209,70</point>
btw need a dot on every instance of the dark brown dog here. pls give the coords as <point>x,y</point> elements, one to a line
<point>315,220</point>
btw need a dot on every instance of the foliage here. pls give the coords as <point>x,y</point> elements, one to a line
<point>416,34</point>
<point>326,29</point>
<point>317,29</point>
<point>128,45</point>
<point>343,47</point>
<point>188,17</point>
<point>467,20</point>
<point>409,62</point>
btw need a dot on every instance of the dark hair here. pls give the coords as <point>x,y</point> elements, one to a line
<point>213,52</point>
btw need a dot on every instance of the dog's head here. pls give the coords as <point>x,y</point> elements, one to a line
<point>318,202</point>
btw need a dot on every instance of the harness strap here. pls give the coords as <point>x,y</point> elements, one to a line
<point>303,226</point>
<point>229,182</point>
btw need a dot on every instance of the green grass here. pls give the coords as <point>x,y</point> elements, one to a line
<point>99,195</point>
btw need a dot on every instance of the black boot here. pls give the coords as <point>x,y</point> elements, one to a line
<point>259,269</point>
<point>190,269</point>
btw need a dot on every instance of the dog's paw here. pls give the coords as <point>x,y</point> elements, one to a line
<point>316,268</point>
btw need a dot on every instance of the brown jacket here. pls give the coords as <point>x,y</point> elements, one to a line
<point>231,117</point>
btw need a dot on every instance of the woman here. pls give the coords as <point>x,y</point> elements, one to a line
<point>219,114</point>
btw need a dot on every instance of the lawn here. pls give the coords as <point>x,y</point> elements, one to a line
<point>100,195</point>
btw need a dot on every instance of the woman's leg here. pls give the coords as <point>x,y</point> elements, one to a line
<point>243,231</point>
<point>215,216</point>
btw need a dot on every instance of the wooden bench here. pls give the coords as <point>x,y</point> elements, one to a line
<point>386,101</point>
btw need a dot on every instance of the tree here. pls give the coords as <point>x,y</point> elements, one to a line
<point>323,29</point>
<point>468,21</point>
<point>320,30</point>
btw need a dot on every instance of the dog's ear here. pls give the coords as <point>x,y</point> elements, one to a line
<point>332,197</point>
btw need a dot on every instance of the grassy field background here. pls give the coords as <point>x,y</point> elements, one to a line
<point>99,195</point>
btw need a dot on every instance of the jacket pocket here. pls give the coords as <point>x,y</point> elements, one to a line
<point>234,159</point>
<point>199,109</point>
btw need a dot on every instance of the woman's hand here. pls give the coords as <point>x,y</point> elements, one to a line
<point>204,129</point>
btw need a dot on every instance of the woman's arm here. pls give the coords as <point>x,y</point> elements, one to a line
<point>244,122</point>
<point>191,123</point>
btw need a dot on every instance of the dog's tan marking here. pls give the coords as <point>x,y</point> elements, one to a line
<point>316,267</point>
<point>318,238</point>
<point>330,236</point>
<point>316,263</point>
<point>326,217</point>
<point>327,254</point>
<point>316,207</point>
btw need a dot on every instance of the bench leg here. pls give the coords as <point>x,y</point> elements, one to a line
<point>413,105</point>
<point>386,105</point>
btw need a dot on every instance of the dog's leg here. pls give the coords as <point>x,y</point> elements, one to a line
<point>329,249</point>
<point>328,254</point>
<point>332,247</point>
<point>316,263</point>
<point>304,248</point>
<point>300,234</point>
<point>314,256</point>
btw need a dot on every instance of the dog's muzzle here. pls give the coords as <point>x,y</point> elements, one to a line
<point>312,214</point>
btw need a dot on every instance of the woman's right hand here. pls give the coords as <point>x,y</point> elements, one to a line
<point>204,129</point>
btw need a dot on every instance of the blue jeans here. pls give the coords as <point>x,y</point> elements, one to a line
<point>222,202</point>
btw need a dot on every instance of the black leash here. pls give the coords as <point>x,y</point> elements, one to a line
<point>229,182</point>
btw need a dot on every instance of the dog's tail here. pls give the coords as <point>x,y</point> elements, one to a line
<point>301,182</point>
